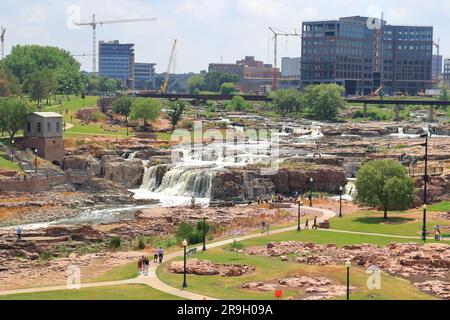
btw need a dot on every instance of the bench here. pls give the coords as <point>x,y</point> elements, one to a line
<point>192,252</point>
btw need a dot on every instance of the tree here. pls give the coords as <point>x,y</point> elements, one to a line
<point>324,100</point>
<point>25,61</point>
<point>228,88</point>
<point>386,185</point>
<point>176,113</point>
<point>287,101</point>
<point>214,80</point>
<point>196,84</point>
<point>146,110</point>
<point>13,113</point>
<point>444,91</point>
<point>40,85</point>
<point>123,107</point>
<point>238,104</point>
<point>5,84</point>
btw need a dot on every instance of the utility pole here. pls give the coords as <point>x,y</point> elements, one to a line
<point>94,24</point>
<point>2,39</point>
<point>276,32</point>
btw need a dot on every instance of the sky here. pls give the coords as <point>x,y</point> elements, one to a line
<point>208,31</point>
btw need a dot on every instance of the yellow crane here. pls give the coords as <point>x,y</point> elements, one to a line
<point>167,75</point>
<point>94,24</point>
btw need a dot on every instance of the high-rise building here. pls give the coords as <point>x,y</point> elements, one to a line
<point>364,56</point>
<point>437,67</point>
<point>144,76</point>
<point>447,71</point>
<point>116,61</point>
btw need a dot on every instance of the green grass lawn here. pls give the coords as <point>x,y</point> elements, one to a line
<point>440,207</point>
<point>373,222</point>
<point>125,272</point>
<point>269,269</point>
<point>123,292</point>
<point>8,165</point>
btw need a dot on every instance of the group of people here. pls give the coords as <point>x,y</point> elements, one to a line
<point>265,227</point>
<point>315,226</point>
<point>144,262</point>
<point>143,265</point>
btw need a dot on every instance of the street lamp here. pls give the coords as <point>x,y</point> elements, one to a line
<point>424,228</point>
<point>348,264</point>
<point>300,204</point>
<point>311,192</point>
<point>204,233</point>
<point>185,263</point>
<point>341,189</point>
<point>36,160</point>
<point>426,179</point>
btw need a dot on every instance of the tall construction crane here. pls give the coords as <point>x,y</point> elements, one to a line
<point>277,32</point>
<point>2,39</point>
<point>94,24</point>
<point>167,75</point>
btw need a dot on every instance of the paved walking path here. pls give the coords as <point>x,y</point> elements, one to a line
<point>153,281</point>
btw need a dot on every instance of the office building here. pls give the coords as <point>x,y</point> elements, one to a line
<point>437,68</point>
<point>446,74</point>
<point>364,57</point>
<point>116,61</point>
<point>144,76</point>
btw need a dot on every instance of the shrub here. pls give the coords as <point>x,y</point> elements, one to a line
<point>115,243</point>
<point>46,256</point>
<point>140,243</point>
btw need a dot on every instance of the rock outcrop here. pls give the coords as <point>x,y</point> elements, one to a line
<point>127,173</point>
<point>207,268</point>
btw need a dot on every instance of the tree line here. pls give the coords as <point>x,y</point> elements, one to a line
<point>321,102</point>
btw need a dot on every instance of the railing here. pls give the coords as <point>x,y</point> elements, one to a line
<point>433,171</point>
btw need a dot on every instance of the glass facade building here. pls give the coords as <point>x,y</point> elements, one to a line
<point>363,57</point>
<point>116,61</point>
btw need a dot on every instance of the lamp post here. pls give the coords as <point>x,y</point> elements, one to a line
<point>340,201</point>
<point>426,179</point>
<point>348,264</point>
<point>185,264</point>
<point>204,233</point>
<point>36,161</point>
<point>311,192</point>
<point>300,204</point>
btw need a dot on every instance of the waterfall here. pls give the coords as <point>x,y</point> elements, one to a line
<point>401,131</point>
<point>178,182</point>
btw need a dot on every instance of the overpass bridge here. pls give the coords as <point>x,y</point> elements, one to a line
<point>397,103</point>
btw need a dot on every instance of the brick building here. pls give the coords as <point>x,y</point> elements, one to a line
<point>44,132</point>
<point>254,76</point>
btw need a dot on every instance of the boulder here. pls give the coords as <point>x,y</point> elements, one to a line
<point>127,173</point>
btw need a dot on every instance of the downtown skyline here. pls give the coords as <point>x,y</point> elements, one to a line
<point>207,31</point>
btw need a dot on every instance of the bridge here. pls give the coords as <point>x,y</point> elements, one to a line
<point>397,103</point>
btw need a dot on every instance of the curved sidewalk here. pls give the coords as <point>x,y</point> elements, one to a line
<point>153,281</point>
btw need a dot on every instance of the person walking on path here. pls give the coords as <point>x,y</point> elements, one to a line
<point>140,266</point>
<point>263,227</point>
<point>161,255</point>
<point>307,224</point>
<point>146,265</point>
<point>156,256</point>
<point>267,228</point>
<point>315,226</point>
<point>19,233</point>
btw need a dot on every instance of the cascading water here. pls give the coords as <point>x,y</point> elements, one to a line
<point>180,182</point>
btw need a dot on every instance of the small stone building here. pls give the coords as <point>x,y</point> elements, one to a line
<point>44,131</point>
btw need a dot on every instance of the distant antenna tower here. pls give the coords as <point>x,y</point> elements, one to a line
<point>2,39</point>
